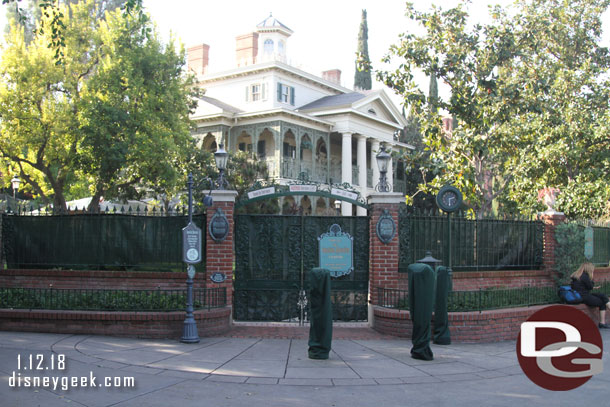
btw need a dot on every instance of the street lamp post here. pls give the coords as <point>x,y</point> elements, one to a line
<point>192,241</point>
<point>15,182</point>
<point>383,159</point>
<point>221,157</point>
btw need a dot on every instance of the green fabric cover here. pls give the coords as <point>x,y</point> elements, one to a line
<point>441,319</point>
<point>421,302</point>
<point>321,318</point>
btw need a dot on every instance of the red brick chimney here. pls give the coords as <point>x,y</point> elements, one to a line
<point>246,49</point>
<point>197,59</point>
<point>334,75</point>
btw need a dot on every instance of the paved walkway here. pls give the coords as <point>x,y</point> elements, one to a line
<point>276,372</point>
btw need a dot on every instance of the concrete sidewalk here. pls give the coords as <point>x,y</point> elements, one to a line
<point>274,372</point>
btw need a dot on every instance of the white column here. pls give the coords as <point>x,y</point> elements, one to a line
<point>374,151</point>
<point>361,157</point>
<point>390,175</point>
<point>346,169</point>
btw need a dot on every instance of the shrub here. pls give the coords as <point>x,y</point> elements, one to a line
<point>570,251</point>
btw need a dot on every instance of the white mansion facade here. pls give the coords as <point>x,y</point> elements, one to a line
<point>301,124</point>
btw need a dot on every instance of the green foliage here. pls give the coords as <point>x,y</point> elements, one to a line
<point>494,298</point>
<point>530,94</point>
<point>99,300</point>
<point>362,77</point>
<point>111,119</point>
<point>569,252</point>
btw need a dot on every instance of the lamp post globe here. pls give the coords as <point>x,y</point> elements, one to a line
<point>221,157</point>
<point>15,182</point>
<point>383,160</point>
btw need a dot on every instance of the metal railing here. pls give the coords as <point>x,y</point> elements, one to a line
<point>477,244</point>
<point>480,300</point>
<point>110,300</point>
<point>95,242</point>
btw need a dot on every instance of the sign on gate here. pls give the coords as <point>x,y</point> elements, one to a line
<point>336,251</point>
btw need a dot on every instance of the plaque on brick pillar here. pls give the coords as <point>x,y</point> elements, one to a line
<point>219,226</point>
<point>386,227</point>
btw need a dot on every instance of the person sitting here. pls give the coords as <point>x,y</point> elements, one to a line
<point>582,281</point>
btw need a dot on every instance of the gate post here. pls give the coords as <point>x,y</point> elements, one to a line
<point>219,254</point>
<point>383,270</point>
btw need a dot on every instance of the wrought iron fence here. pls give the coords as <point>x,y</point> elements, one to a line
<point>95,241</point>
<point>110,300</point>
<point>601,241</point>
<point>480,300</point>
<point>477,244</point>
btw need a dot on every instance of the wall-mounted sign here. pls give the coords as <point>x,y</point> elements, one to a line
<point>336,251</point>
<point>261,192</point>
<point>218,277</point>
<point>343,193</point>
<point>191,244</point>
<point>386,227</point>
<point>302,188</point>
<point>219,226</point>
<point>589,242</point>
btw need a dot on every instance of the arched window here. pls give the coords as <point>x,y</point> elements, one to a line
<point>268,47</point>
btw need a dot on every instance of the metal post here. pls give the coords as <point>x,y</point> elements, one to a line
<point>449,270</point>
<point>189,330</point>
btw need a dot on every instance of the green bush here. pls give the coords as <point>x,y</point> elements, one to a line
<point>570,251</point>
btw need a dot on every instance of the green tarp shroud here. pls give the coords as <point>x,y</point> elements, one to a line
<point>321,318</point>
<point>422,281</point>
<point>441,318</point>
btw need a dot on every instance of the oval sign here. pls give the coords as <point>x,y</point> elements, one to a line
<point>219,226</point>
<point>386,227</point>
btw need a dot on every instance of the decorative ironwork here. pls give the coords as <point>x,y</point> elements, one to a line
<point>274,254</point>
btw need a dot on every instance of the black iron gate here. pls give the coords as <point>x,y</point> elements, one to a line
<point>275,253</point>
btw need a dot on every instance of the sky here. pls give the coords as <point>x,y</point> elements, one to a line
<point>325,31</point>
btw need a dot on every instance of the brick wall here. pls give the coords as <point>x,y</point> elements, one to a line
<point>130,324</point>
<point>219,255</point>
<point>468,327</point>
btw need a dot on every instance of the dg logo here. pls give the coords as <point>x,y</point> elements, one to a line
<point>560,348</point>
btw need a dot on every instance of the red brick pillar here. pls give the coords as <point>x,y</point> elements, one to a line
<point>383,257</point>
<point>220,255</point>
<point>550,220</point>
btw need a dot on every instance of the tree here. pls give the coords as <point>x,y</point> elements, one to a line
<point>114,113</point>
<point>362,77</point>
<point>524,88</point>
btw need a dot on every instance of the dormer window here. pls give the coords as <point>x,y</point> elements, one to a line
<point>372,111</point>
<point>268,47</point>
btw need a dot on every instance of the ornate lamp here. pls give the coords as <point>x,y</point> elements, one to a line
<point>221,157</point>
<point>383,159</point>
<point>15,182</point>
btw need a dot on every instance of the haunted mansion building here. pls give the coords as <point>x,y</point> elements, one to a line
<point>302,125</point>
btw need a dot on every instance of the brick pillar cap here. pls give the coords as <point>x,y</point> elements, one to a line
<point>222,195</point>
<point>386,198</point>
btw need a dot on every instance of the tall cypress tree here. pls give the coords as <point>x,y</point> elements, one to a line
<point>362,78</point>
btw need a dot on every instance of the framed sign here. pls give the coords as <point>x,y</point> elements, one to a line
<point>386,227</point>
<point>219,226</point>
<point>218,277</point>
<point>191,244</point>
<point>336,251</point>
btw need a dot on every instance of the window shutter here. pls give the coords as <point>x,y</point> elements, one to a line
<point>292,96</point>
<point>279,92</point>
<point>264,90</point>
<point>247,93</point>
